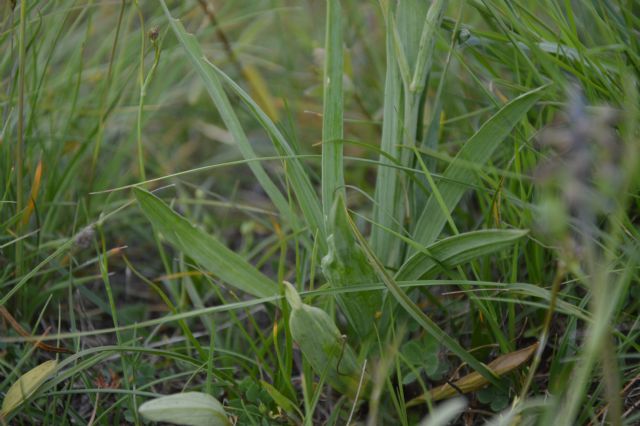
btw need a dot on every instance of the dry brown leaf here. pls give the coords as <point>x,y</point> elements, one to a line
<point>474,381</point>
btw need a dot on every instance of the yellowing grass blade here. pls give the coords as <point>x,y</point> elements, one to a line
<point>26,386</point>
<point>261,92</point>
<point>34,194</point>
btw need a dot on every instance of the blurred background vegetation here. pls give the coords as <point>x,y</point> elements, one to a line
<point>77,256</point>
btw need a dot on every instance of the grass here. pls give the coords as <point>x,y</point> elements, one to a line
<point>453,184</point>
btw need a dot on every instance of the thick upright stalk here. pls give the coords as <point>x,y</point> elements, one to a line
<point>332,126</point>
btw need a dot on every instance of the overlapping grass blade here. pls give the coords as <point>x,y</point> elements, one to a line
<point>421,318</point>
<point>219,97</point>
<point>478,149</point>
<point>346,265</point>
<point>452,251</point>
<point>300,182</point>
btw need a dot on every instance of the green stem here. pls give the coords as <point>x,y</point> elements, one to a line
<point>144,83</point>
<point>332,125</point>
<point>20,137</point>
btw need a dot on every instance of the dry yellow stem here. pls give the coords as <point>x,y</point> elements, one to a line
<point>474,381</point>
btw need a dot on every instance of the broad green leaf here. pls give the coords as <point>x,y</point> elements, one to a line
<point>477,149</point>
<point>27,385</point>
<point>455,250</point>
<point>188,408</point>
<point>204,249</point>
<point>410,20</point>
<point>332,125</point>
<point>220,99</point>
<point>323,346</point>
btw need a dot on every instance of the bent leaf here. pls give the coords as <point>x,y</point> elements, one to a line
<point>26,386</point>
<point>283,402</point>
<point>322,345</point>
<point>203,248</point>
<point>188,408</point>
<point>474,381</point>
<point>455,250</point>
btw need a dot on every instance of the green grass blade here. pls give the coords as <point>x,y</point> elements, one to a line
<point>219,97</point>
<point>205,249</point>
<point>426,45</point>
<point>478,149</point>
<point>421,318</point>
<point>387,207</point>
<point>455,250</point>
<point>346,265</point>
<point>332,124</point>
<point>300,182</point>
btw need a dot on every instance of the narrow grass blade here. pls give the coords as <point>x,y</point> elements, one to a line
<point>332,125</point>
<point>478,149</point>
<point>426,45</point>
<point>421,318</point>
<point>204,249</point>
<point>452,251</point>
<point>219,97</point>
<point>299,178</point>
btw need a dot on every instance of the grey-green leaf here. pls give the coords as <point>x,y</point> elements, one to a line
<point>203,248</point>
<point>188,408</point>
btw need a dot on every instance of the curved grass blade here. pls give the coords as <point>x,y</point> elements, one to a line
<point>478,149</point>
<point>455,250</point>
<point>421,318</point>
